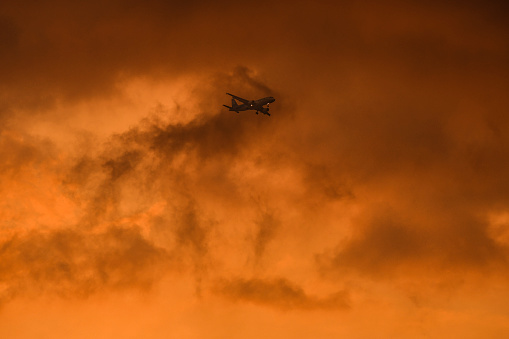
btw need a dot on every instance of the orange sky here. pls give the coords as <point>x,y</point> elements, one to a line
<point>373,203</point>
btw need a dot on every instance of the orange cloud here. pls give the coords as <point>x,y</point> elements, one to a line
<point>376,190</point>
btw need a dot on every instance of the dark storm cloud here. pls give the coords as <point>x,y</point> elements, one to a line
<point>137,167</point>
<point>122,165</point>
<point>453,242</point>
<point>411,147</point>
<point>72,263</point>
<point>96,182</point>
<point>191,233</point>
<point>327,181</point>
<point>21,153</point>
<point>209,136</point>
<point>212,133</point>
<point>53,42</point>
<point>404,105</point>
<point>49,45</point>
<point>243,75</point>
<point>147,151</point>
<point>193,240</point>
<point>278,293</point>
<point>9,34</point>
<point>267,226</point>
<point>76,262</point>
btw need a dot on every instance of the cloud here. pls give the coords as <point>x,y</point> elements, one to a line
<point>384,163</point>
<point>191,233</point>
<point>104,45</point>
<point>268,224</point>
<point>387,245</point>
<point>111,192</point>
<point>278,293</point>
<point>70,263</point>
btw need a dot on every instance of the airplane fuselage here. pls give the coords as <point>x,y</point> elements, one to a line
<point>255,105</point>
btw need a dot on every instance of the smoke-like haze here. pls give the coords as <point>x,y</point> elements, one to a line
<point>373,201</point>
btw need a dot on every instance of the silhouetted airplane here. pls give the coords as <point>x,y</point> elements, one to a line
<point>255,105</point>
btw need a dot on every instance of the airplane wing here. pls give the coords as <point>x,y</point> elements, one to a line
<point>244,101</point>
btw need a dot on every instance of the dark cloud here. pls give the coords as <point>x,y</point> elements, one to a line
<point>385,159</point>
<point>76,264</point>
<point>193,237</point>
<point>267,226</point>
<point>122,165</point>
<point>328,181</point>
<point>51,44</point>
<point>22,152</point>
<point>388,246</point>
<point>136,168</point>
<point>278,293</point>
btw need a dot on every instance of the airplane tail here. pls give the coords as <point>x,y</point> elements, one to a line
<point>233,108</point>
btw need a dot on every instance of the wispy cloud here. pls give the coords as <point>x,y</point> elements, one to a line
<point>278,293</point>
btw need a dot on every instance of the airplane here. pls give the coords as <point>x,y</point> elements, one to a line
<point>255,105</point>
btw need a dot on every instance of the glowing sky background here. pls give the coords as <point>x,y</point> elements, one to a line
<point>373,203</point>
